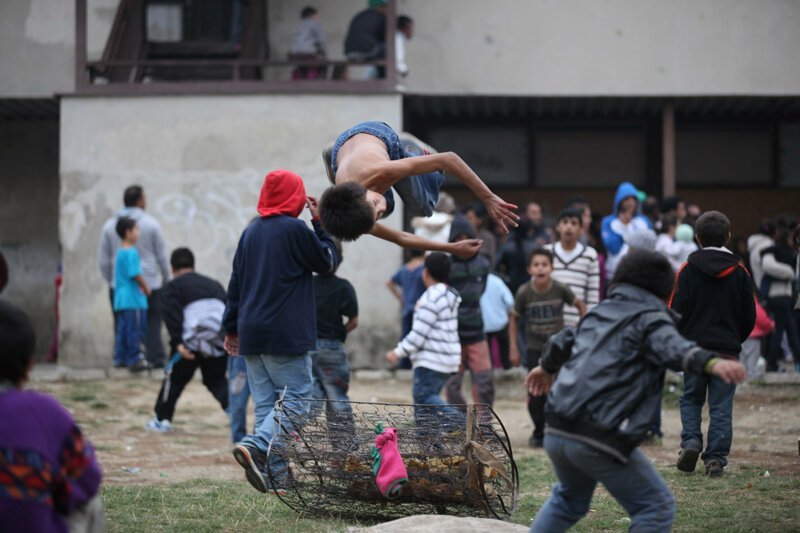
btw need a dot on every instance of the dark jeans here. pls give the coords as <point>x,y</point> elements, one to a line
<point>213,371</point>
<point>419,193</point>
<point>430,410</point>
<point>785,320</point>
<point>536,403</point>
<point>153,343</point>
<point>636,485</point>
<point>131,329</point>
<point>331,381</point>
<point>720,408</point>
<point>238,395</point>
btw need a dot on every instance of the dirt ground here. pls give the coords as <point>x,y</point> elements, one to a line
<point>113,414</point>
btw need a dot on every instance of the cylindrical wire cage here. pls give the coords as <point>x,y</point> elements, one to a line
<point>458,458</point>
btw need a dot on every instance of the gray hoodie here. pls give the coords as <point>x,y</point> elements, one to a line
<point>150,247</point>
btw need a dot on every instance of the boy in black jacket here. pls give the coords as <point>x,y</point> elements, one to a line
<point>192,307</point>
<point>605,395</point>
<point>714,296</point>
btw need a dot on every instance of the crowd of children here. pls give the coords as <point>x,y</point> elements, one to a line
<point>595,308</point>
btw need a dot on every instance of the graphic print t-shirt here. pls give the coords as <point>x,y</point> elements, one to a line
<point>543,311</point>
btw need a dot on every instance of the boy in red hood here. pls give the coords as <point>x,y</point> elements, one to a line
<point>369,160</point>
<point>714,296</point>
<point>270,317</point>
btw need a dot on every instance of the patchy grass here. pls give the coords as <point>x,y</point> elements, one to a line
<point>742,500</point>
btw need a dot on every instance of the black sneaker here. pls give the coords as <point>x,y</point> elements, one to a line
<point>253,461</point>
<point>140,366</point>
<point>714,468</point>
<point>536,442</point>
<point>687,459</point>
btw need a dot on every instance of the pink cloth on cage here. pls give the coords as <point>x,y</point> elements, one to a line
<point>390,472</point>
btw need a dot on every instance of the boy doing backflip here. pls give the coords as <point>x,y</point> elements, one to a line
<point>369,160</point>
<point>606,392</point>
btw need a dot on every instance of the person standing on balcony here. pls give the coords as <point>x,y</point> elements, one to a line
<point>366,36</point>
<point>308,44</point>
<point>405,30</point>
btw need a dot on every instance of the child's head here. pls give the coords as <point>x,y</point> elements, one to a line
<point>414,253</point>
<point>128,230</point>
<point>17,342</point>
<point>684,233</point>
<point>437,268</point>
<point>181,259</point>
<point>461,229</point>
<point>308,12</point>
<point>712,229</point>
<point>349,210</point>
<point>568,225</point>
<point>669,222</point>
<point>540,265</point>
<point>648,270</point>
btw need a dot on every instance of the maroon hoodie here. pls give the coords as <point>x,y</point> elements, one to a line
<point>714,296</point>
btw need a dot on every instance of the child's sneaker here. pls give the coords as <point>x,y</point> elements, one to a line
<point>159,426</point>
<point>687,459</point>
<point>253,461</point>
<point>714,468</point>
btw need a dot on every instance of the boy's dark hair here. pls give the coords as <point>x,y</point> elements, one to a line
<point>345,212</point>
<point>17,342</point>
<point>413,252</point>
<point>648,270</point>
<point>132,195</point>
<point>540,251</point>
<point>670,203</point>
<point>713,229</point>
<point>438,266</point>
<point>476,207</point>
<point>124,225</point>
<point>307,12</point>
<point>570,212</point>
<point>181,258</point>
<point>403,22</point>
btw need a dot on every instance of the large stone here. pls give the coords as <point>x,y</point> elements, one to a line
<point>442,524</point>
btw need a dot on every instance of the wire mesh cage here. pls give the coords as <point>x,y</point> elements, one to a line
<point>458,460</point>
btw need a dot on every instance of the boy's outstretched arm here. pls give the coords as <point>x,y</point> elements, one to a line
<point>463,249</point>
<point>499,210</point>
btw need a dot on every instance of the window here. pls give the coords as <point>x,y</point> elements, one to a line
<point>590,157</point>
<point>733,156</point>
<point>789,153</point>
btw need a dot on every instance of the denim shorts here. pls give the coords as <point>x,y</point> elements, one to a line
<point>419,193</point>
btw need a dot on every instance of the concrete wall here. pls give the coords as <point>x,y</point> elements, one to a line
<point>604,47</point>
<point>201,161</point>
<point>37,47</point>
<point>29,220</point>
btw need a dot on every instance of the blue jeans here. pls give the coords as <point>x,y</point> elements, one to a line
<point>720,410</point>
<point>637,486</point>
<point>238,395</point>
<point>331,375</point>
<point>419,193</point>
<point>269,376</point>
<point>131,331</point>
<point>428,403</point>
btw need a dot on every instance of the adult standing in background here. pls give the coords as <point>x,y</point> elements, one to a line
<point>405,30</point>
<point>155,267</point>
<point>366,36</point>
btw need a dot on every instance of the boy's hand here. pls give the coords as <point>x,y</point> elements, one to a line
<point>729,371</point>
<point>313,207</point>
<point>539,382</point>
<point>185,352</point>
<point>146,290</point>
<point>232,344</point>
<point>466,248</point>
<point>501,212</point>
<point>513,355</point>
<point>392,358</point>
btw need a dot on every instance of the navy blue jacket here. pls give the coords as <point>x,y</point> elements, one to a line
<point>271,293</point>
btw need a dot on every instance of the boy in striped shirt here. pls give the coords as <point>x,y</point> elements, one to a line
<point>433,344</point>
<point>575,264</point>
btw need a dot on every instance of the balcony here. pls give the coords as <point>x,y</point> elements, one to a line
<point>212,47</point>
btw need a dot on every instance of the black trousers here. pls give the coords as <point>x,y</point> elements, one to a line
<point>213,370</point>
<point>536,403</point>
<point>503,344</point>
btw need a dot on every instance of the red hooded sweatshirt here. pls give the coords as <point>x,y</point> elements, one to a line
<point>283,193</point>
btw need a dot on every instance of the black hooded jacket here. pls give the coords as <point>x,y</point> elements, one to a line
<point>714,296</point>
<point>468,277</point>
